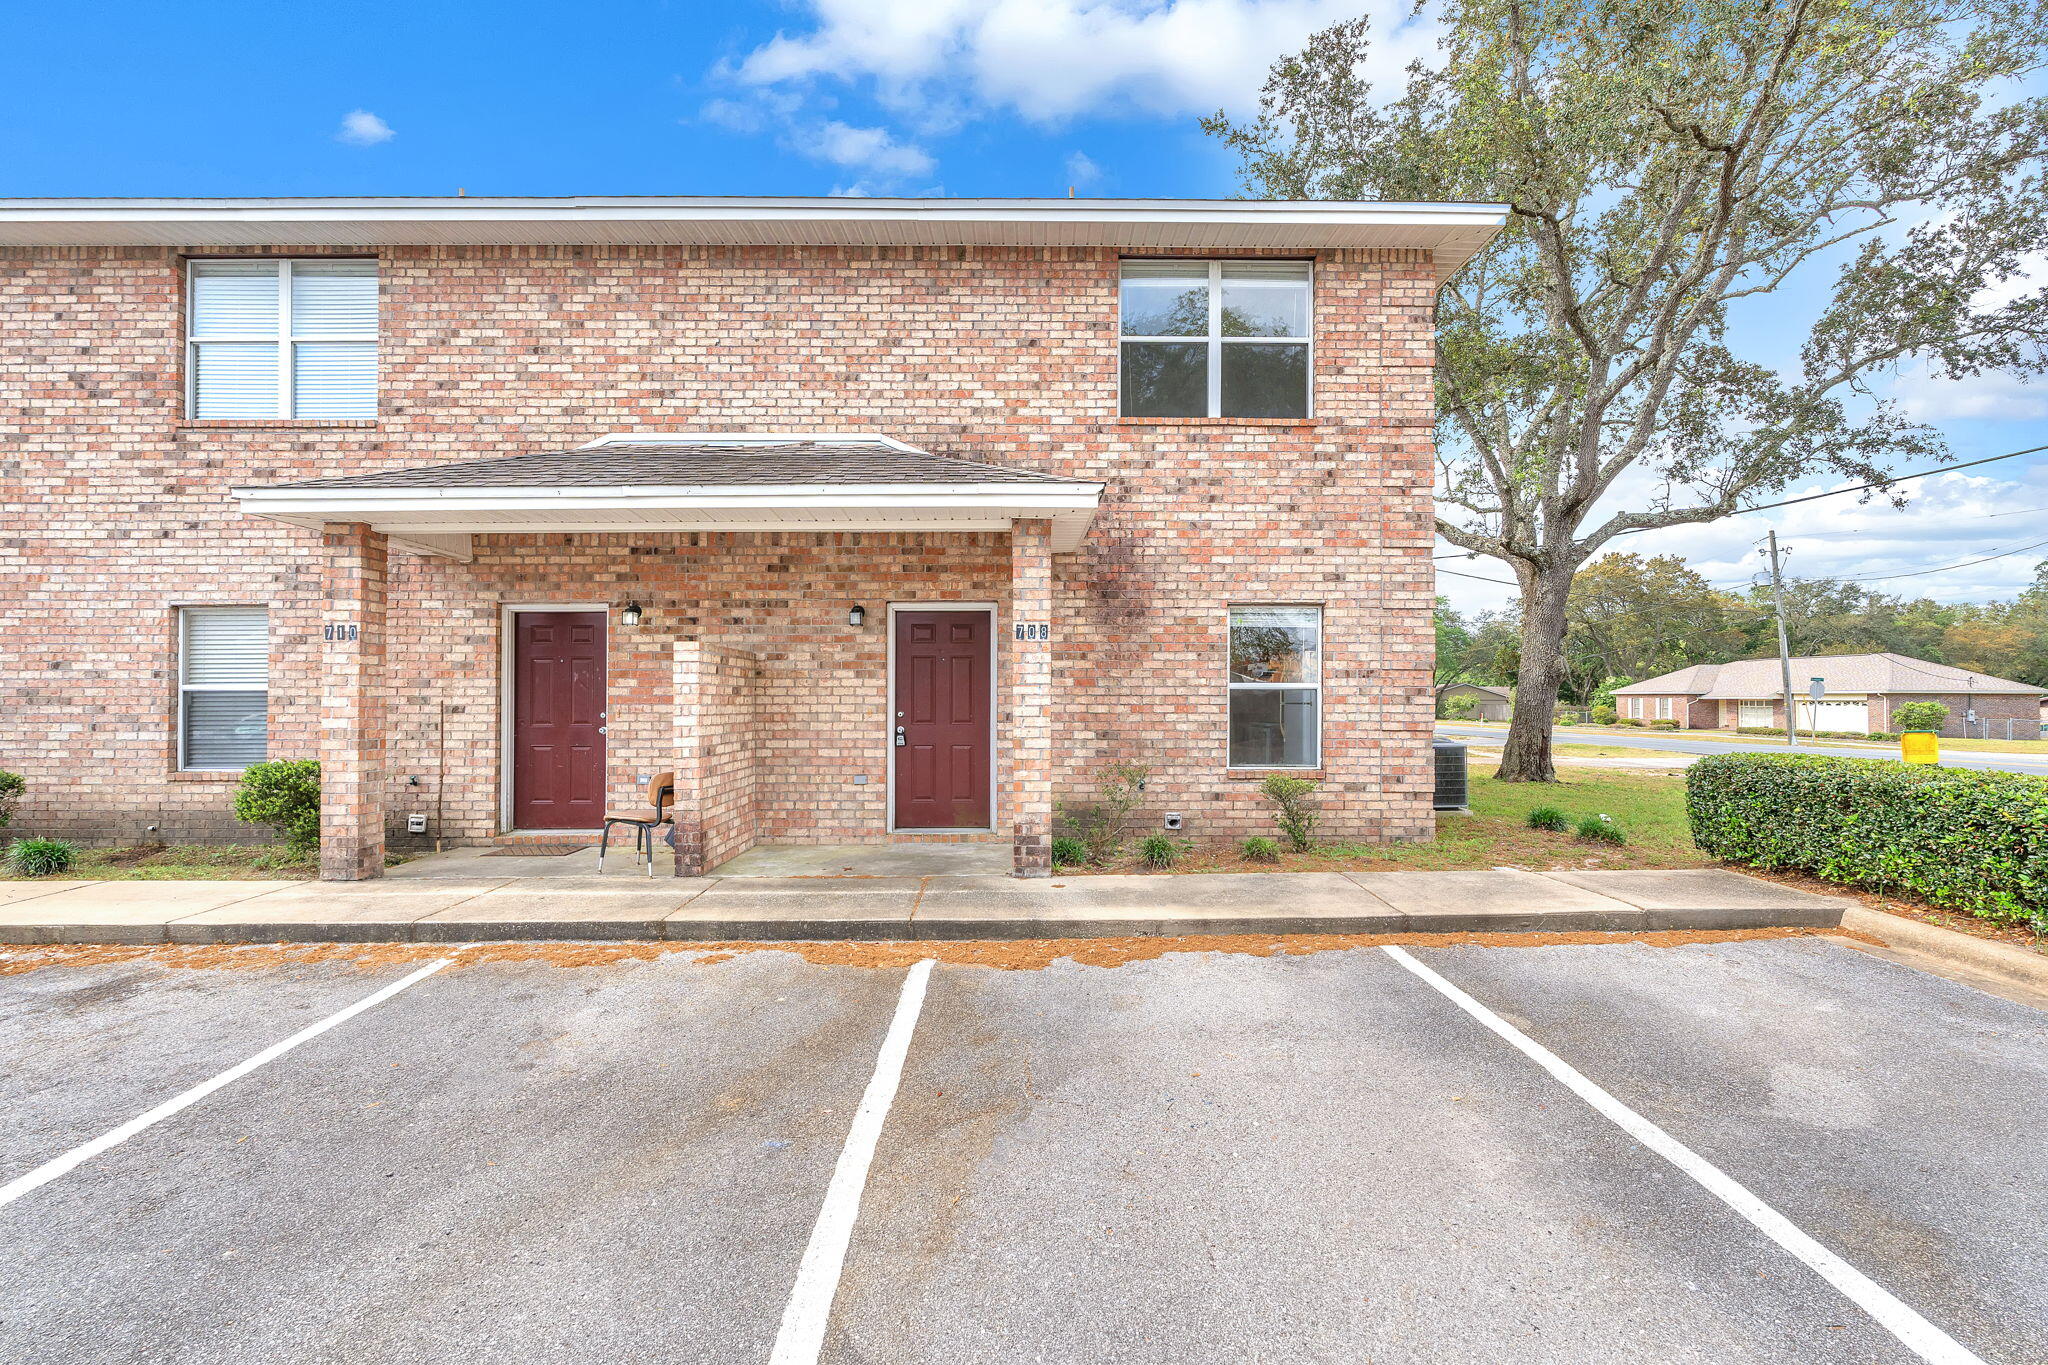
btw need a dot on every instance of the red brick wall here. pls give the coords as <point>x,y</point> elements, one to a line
<point>2023,712</point>
<point>718,776</point>
<point>115,509</point>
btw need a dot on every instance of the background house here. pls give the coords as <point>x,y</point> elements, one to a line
<point>1488,703</point>
<point>1861,694</point>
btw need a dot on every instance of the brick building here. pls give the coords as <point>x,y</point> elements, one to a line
<point>868,519</point>
<point>1859,694</point>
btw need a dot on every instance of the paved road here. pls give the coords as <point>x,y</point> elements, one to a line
<point>1674,744</point>
<point>1203,1158</point>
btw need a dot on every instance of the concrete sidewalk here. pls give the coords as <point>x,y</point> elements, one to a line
<point>473,909</point>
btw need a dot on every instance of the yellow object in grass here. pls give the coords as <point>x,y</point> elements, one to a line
<point>1920,746</point>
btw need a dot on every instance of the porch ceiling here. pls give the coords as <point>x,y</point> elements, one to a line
<point>688,483</point>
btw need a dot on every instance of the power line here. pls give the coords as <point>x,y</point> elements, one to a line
<point>1918,573</point>
<point>1866,487</point>
<point>1477,579</point>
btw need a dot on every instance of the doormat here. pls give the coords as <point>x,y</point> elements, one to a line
<point>536,850</point>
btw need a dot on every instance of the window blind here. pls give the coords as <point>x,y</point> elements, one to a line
<point>223,687</point>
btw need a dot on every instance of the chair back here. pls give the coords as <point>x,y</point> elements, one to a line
<point>661,789</point>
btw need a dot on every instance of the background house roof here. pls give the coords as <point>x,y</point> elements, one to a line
<point>1759,678</point>
<point>1450,232</point>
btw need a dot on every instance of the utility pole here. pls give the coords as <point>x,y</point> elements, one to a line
<point>1784,650</point>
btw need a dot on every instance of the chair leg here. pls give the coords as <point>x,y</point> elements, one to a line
<point>604,841</point>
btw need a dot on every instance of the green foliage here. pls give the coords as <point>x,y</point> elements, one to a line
<point>41,857</point>
<point>1920,715</point>
<point>1460,706</point>
<point>1296,798</point>
<point>1101,824</point>
<point>1663,725</point>
<point>285,795</point>
<point>1260,849</point>
<point>1633,723</point>
<point>1600,829</point>
<point>1159,850</point>
<point>1974,841</point>
<point>12,785</point>
<point>1068,851</point>
<point>1550,818</point>
<point>1605,715</point>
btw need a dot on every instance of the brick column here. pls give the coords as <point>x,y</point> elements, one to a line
<point>686,835</point>
<point>1028,785</point>
<point>352,741</point>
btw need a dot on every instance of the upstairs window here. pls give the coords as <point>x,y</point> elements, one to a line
<point>1215,338</point>
<point>292,339</point>
<point>223,687</point>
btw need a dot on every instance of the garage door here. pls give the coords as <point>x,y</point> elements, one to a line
<point>1835,715</point>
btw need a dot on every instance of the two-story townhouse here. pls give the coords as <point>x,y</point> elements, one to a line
<point>870,520</point>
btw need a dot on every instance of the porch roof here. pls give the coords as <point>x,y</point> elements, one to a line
<point>688,482</point>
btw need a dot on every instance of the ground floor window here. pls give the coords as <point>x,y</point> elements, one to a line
<point>223,687</point>
<point>1275,685</point>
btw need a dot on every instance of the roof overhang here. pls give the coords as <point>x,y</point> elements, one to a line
<point>441,521</point>
<point>1451,232</point>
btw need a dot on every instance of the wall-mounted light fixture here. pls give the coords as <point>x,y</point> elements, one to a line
<point>856,616</point>
<point>631,615</point>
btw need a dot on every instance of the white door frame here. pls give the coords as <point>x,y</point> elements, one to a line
<point>507,638</point>
<point>995,672</point>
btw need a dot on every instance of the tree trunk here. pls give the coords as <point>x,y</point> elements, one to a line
<point>1526,755</point>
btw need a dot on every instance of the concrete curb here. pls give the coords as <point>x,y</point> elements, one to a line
<point>1959,949</point>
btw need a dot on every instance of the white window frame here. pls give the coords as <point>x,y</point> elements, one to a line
<point>1215,339</point>
<point>1664,709</point>
<point>183,612</point>
<point>283,338</point>
<point>1230,686</point>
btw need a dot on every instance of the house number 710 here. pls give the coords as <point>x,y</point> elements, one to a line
<point>339,633</point>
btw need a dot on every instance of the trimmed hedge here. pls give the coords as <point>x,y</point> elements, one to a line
<point>1976,841</point>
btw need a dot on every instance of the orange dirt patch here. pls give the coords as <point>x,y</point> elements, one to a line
<point>1000,954</point>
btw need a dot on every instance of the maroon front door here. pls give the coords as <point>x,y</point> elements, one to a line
<point>942,732</point>
<point>558,719</point>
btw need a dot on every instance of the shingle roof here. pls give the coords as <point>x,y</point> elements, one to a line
<point>1870,673</point>
<point>690,464</point>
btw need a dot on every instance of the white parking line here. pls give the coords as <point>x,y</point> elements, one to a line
<point>1919,1335</point>
<point>804,1318</point>
<point>78,1156</point>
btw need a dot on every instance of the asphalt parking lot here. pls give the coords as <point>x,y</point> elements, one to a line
<point>1205,1157</point>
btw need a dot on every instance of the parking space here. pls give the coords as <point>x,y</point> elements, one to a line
<point>1201,1157</point>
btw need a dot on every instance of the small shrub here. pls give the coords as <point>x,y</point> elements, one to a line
<point>1972,841</point>
<point>11,787</point>
<point>1068,851</point>
<point>1158,850</point>
<point>1102,823</point>
<point>284,794</point>
<point>1460,707</point>
<point>1605,715</point>
<point>1759,729</point>
<point>1296,798</point>
<point>41,857</point>
<point>1260,849</point>
<point>1600,829</point>
<point>1663,725</point>
<point>1632,721</point>
<point>1920,715</point>
<point>1550,818</point>
<point>1889,736</point>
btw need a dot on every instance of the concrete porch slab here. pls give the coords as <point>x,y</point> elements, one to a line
<point>121,911</point>
<point>798,908</point>
<point>474,863</point>
<point>869,860</point>
<point>563,907</point>
<point>1502,900</point>
<point>330,912</point>
<point>1121,906</point>
<point>1710,898</point>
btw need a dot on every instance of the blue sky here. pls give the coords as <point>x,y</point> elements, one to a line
<point>999,97</point>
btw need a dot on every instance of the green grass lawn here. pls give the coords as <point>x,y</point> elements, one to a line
<point>187,862</point>
<point>1649,807</point>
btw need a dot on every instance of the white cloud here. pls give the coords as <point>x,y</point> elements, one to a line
<point>1081,169</point>
<point>1051,60</point>
<point>1926,397</point>
<point>864,149</point>
<point>361,128</point>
